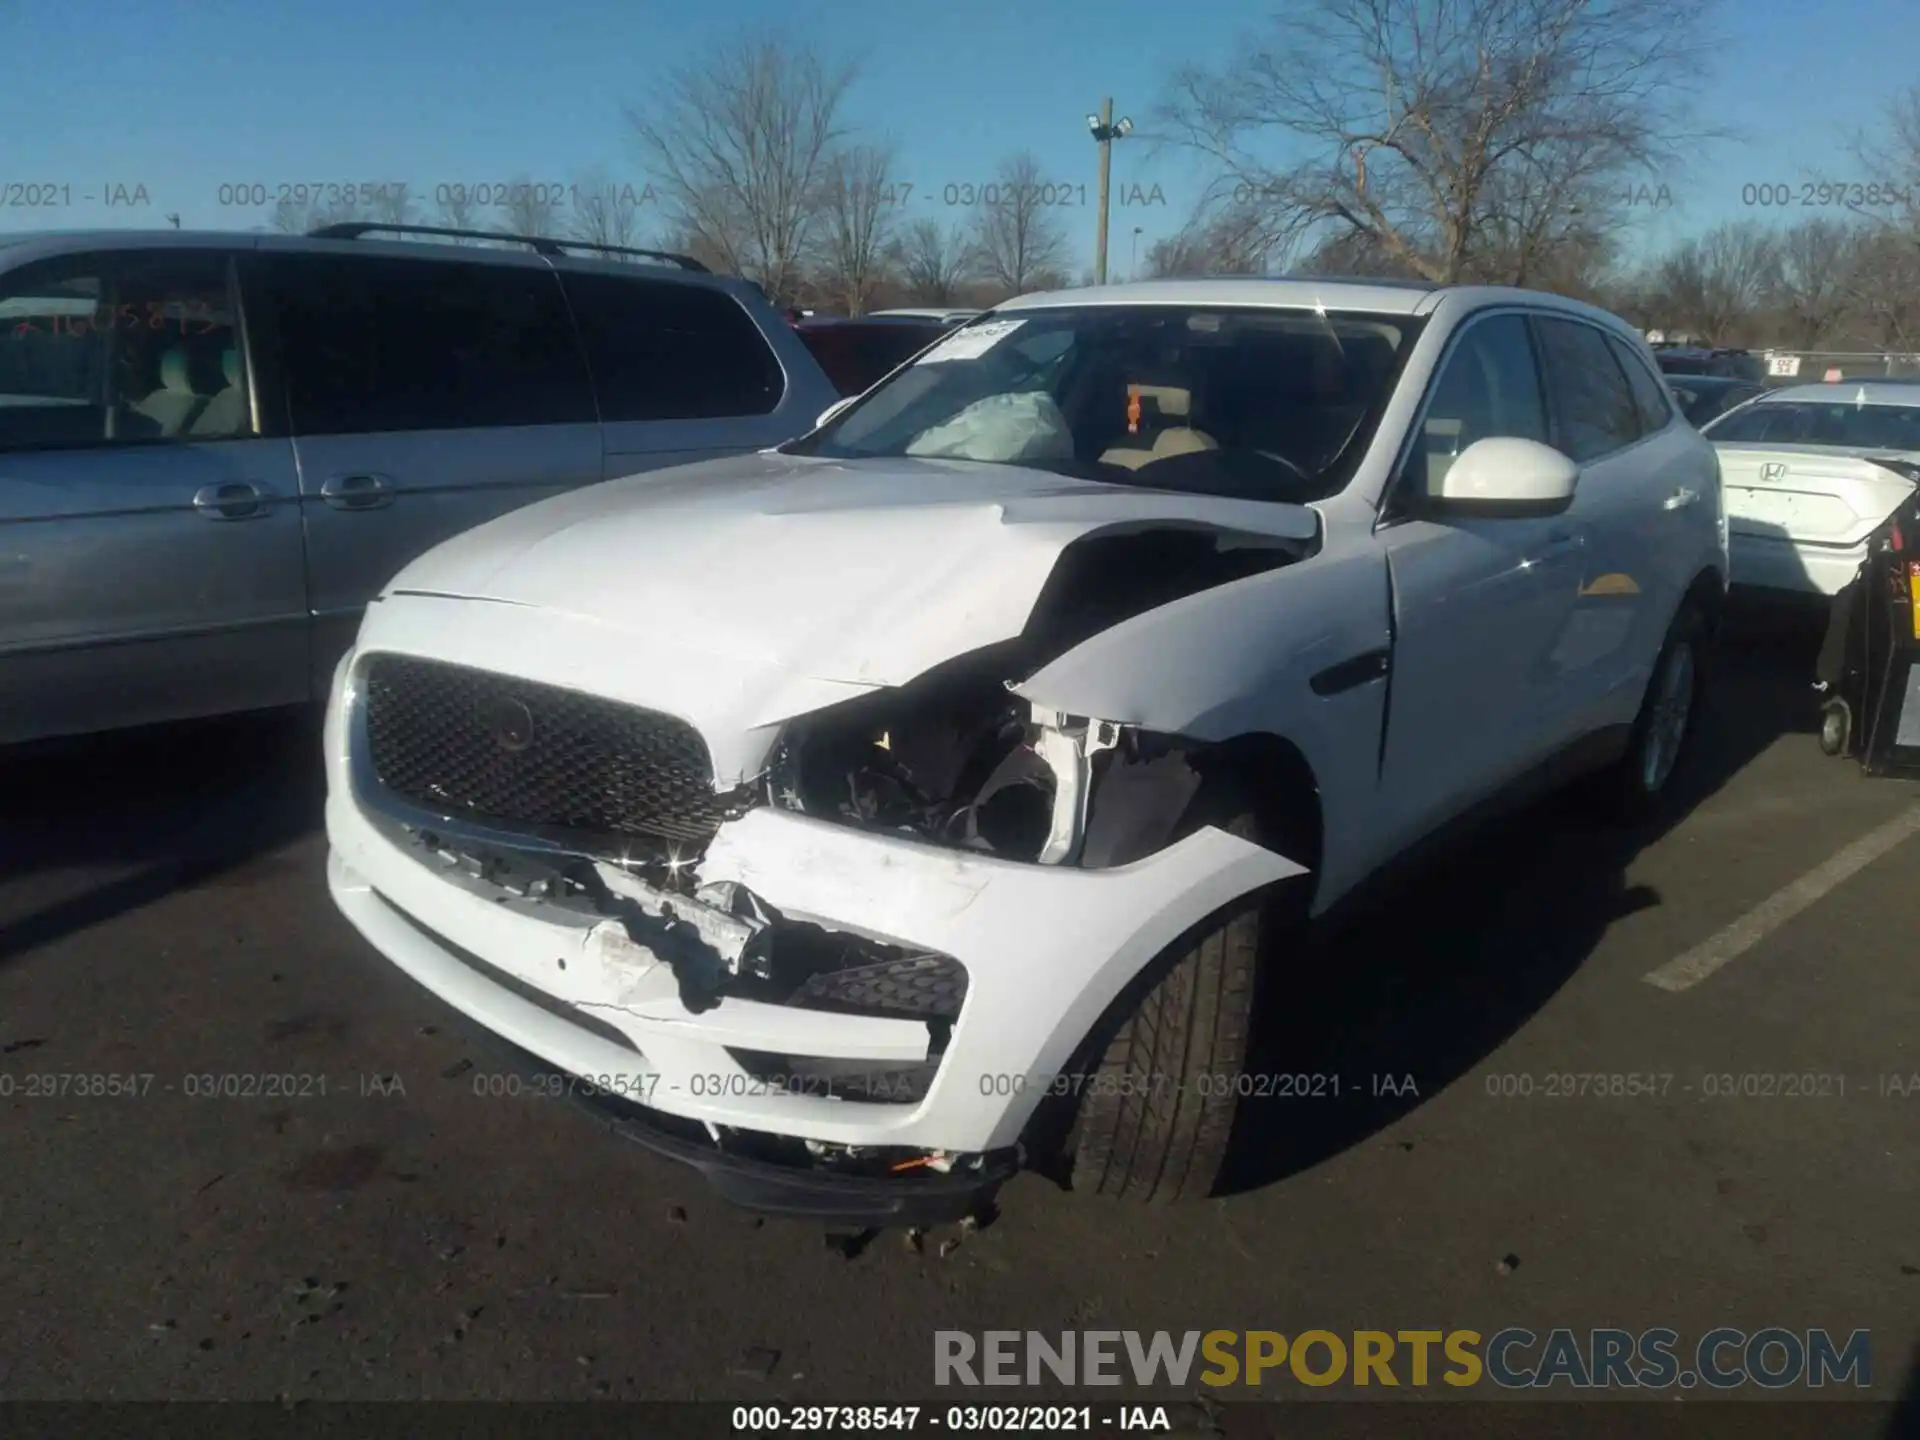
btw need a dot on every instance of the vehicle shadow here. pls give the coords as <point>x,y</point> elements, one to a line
<point>170,807</point>
<point>1426,974</point>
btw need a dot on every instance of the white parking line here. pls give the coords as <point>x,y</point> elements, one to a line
<point>1688,970</point>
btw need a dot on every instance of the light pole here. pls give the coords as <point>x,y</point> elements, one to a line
<point>1133,256</point>
<point>1105,132</point>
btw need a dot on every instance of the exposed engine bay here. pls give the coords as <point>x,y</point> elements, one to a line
<point>956,758</point>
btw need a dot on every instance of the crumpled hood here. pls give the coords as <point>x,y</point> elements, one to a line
<point>865,572</point>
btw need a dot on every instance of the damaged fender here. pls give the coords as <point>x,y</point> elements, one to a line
<point>1051,947</point>
<point>1244,660</point>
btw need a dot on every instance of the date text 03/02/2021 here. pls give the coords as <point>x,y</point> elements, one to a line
<point>949,1419</point>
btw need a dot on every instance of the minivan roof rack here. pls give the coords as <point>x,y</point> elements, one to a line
<point>542,244</point>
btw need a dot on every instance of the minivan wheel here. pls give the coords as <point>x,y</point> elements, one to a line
<point>1638,785</point>
<point>1154,1114</point>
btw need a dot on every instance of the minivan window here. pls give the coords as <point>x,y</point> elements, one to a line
<point>119,349</point>
<point>665,350</point>
<point>374,344</point>
<point>1594,413</point>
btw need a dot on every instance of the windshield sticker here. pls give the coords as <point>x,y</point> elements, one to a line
<point>972,342</point>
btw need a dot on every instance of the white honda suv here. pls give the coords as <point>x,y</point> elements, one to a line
<point>864,819</point>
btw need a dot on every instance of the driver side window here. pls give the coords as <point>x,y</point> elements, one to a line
<point>1488,386</point>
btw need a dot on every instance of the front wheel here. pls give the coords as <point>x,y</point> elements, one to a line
<point>1155,1112</point>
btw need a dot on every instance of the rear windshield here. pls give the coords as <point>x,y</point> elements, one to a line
<point>1263,403</point>
<point>1853,425</point>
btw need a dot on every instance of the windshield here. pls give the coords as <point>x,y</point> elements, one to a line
<point>1251,403</point>
<point>1850,424</point>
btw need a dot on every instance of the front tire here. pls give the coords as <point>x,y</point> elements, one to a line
<point>1155,1113</point>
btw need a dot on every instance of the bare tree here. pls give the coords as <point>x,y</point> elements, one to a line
<point>1882,289</point>
<point>1814,261</point>
<point>1713,286</point>
<point>605,212</point>
<point>1015,234</point>
<point>934,261</point>
<point>856,224</point>
<point>531,208</point>
<point>295,217</point>
<point>1356,254</point>
<point>454,210</point>
<point>1462,138</point>
<point>1232,240</point>
<point>739,144</point>
<point>1890,159</point>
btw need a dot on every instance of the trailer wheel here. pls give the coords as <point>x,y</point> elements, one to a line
<point>1836,727</point>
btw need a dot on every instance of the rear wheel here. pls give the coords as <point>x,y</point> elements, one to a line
<point>1156,1109</point>
<point>1638,785</point>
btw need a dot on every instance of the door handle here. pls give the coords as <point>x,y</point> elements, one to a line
<point>357,492</point>
<point>232,500</point>
<point>1680,499</point>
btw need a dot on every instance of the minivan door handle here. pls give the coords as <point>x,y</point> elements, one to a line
<point>1681,499</point>
<point>357,492</point>
<point>232,500</point>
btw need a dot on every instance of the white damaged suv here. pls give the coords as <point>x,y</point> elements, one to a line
<point>864,819</point>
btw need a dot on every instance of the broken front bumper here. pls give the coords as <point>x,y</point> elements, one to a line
<point>1046,949</point>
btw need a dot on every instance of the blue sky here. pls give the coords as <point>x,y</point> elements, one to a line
<point>183,96</point>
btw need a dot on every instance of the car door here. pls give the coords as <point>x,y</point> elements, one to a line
<point>426,396</point>
<point>1675,474</point>
<point>1479,603</point>
<point>682,372</point>
<point>1626,590</point>
<point>150,554</point>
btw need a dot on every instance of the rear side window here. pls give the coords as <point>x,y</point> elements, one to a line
<point>1781,424</point>
<point>1649,395</point>
<point>1593,409</point>
<point>1850,424</point>
<point>857,357</point>
<point>120,348</point>
<point>376,344</point>
<point>660,350</point>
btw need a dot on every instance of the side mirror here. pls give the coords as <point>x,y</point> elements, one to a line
<point>833,410</point>
<point>1501,476</point>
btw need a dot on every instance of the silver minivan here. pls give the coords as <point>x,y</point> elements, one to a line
<point>216,448</point>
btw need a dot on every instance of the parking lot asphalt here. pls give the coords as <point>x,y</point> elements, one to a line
<point>408,1235</point>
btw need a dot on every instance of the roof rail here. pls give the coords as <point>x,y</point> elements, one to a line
<point>542,244</point>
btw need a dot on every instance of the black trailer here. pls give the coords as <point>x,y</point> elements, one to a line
<point>1868,674</point>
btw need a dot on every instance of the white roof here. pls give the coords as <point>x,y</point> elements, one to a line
<point>1391,297</point>
<point>1844,392</point>
<point>1381,297</point>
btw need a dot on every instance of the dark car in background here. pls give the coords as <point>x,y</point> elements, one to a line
<point>857,354</point>
<point>1698,360</point>
<point>1704,397</point>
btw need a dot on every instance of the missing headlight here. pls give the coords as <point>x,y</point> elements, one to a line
<point>954,758</point>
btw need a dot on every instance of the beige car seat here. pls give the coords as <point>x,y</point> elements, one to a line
<point>1164,429</point>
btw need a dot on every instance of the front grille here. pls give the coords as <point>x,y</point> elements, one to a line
<point>515,753</point>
